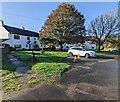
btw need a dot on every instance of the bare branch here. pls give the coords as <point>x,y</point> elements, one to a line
<point>103,26</point>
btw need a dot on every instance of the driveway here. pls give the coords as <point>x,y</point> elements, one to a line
<point>89,79</point>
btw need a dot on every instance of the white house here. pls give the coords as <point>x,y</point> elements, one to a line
<point>86,45</point>
<point>90,45</point>
<point>67,45</point>
<point>19,38</point>
<point>3,32</point>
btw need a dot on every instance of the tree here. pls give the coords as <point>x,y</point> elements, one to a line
<point>103,26</point>
<point>112,42</point>
<point>64,24</point>
<point>44,42</point>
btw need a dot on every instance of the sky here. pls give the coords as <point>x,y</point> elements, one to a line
<point>32,15</point>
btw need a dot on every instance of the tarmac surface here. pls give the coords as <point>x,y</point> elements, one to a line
<point>89,79</point>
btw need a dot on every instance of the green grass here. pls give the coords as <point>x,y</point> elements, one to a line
<point>7,67</point>
<point>47,64</point>
<point>11,84</point>
<point>49,67</point>
<point>34,81</point>
<point>9,79</point>
<point>108,52</point>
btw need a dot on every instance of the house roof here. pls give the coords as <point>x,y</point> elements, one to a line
<point>14,30</point>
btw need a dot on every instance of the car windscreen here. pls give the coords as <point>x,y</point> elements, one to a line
<point>80,49</point>
<point>74,48</point>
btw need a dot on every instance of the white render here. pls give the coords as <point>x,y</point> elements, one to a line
<point>3,32</point>
<point>22,41</point>
<point>66,45</point>
<point>86,45</point>
<point>90,45</point>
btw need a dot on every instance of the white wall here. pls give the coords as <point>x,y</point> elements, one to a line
<point>22,41</point>
<point>89,45</point>
<point>66,45</point>
<point>3,33</point>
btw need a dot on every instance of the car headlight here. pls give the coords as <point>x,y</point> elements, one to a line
<point>91,53</point>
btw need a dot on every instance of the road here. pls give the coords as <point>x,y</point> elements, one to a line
<point>89,79</point>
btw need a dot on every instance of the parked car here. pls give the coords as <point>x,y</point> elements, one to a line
<point>82,52</point>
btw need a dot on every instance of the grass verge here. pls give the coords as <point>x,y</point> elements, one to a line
<point>48,68</point>
<point>47,64</point>
<point>7,67</point>
<point>108,52</point>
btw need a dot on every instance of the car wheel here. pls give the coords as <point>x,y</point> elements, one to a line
<point>87,55</point>
<point>70,54</point>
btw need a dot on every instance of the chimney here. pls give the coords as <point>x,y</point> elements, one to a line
<point>1,23</point>
<point>23,28</point>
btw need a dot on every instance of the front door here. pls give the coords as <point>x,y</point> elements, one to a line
<point>29,46</point>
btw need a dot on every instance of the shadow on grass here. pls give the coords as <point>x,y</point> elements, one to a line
<point>47,57</point>
<point>50,57</point>
<point>41,59</point>
<point>6,64</point>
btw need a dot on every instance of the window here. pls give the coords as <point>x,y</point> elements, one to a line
<point>93,48</point>
<point>79,49</point>
<point>28,38</point>
<point>17,46</point>
<point>16,37</point>
<point>35,42</point>
<point>74,48</point>
<point>67,47</point>
<point>92,42</point>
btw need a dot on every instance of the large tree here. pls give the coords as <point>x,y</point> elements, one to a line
<point>112,42</point>
<point>65,24</point>
<point>103,26</point>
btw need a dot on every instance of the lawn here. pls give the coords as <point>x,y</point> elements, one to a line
<point>8,78</point>
<point>7,67</point>
<point>48,69</point>
<point>48,64</point>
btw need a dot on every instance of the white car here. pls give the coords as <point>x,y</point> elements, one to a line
<point>82,52</point>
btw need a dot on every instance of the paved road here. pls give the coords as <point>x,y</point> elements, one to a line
<point>99,79</point>
<point>91,79</point>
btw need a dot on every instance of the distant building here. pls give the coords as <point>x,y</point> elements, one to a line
<point>90,45</point>
<point>19,38</point>
<point>87,45</point>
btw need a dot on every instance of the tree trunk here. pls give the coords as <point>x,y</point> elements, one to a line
<point>99,44</point>
<point>61,45</point>
<point>98,47</point>
<point>43,46</point>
